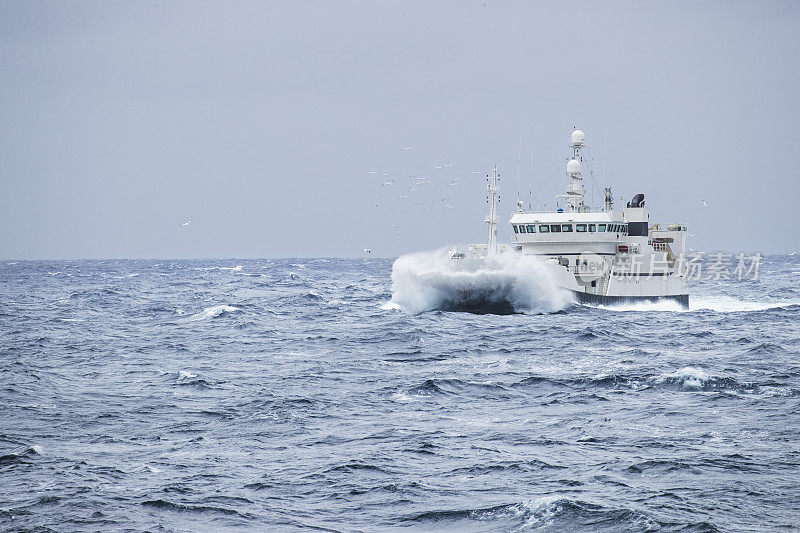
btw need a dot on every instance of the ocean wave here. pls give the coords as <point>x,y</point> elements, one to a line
<point>685,379</point>
<point>180,507</point>
<point>510,283</point>
<point>457,387</point>
<point>555,512</point>
<point>21,457</point>
<point>214,311</point>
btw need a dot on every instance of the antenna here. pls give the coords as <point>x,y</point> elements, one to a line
<point>605,138</point>
<point>530,190</point>
<point>519,156</point>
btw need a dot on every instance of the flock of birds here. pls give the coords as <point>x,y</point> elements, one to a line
<point>419,191</point>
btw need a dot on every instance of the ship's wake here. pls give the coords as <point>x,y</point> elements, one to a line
<point>702,303</point>
<point>504,284</point>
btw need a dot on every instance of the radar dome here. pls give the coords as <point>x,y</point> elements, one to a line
<point>574,166</point>
<point>578,137</point>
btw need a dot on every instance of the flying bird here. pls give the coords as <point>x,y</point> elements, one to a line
<point>691,234</point>
<point>185,224</point>
<point>408,148</point>
<point>705,204</point>
<point>367,251</point>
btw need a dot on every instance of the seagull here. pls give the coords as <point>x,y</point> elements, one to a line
<point>447,165</point>
<point>387,182</point>
<point>185,224</point>
<point>791,254</point>
<point>372,172</point>
<point>367,251</point>
<point>705,204</point>
<point>408,148</point>
<point>691,234</point>
<point>455,182</point>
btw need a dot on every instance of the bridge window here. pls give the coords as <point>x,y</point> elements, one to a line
<point>522,229</point>
<point>566,228</point>
<point>555,228</point>
<point>580,228</point>
<point>531,228</point>
<point>591,228</point>
<point>515,228</point>
<point>544,228</point>
<point>601,228</point>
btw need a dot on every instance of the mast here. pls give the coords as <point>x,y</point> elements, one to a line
<point>493,198</point>
<point>575,189</point>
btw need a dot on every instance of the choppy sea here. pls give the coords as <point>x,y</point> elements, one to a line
<point>297,394</point>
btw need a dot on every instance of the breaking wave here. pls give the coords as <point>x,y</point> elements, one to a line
<point>213,312</point>
<point>504,284</point>
<point>555,513</point>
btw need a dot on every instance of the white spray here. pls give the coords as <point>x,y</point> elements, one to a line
<point>426,281</point>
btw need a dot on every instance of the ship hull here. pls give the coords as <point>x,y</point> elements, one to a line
<point>598,299</point>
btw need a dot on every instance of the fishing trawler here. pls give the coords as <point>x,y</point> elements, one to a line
<point>603,256</point>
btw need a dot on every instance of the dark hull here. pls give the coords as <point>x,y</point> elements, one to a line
<point>586,298</point>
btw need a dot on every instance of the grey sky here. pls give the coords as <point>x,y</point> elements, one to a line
<point>260,122</point>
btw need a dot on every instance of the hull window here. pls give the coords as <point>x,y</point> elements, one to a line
<point>592,228</point>
<point>601,228</point>
<point>566,228</point>
<point>555,228</point>
<point>531,228</point>
<point>522,229</point>
<point>515,228</point>
<point>580,228</point>
<point>544,229</point>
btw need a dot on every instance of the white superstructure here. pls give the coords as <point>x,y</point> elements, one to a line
<point>602,255</point>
